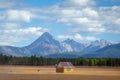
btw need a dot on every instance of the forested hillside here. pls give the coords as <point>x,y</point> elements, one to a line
<point>41,61</point>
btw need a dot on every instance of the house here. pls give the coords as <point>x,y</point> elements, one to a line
<point>63,67</point>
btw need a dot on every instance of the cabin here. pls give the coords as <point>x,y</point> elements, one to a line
<point>63,67</point>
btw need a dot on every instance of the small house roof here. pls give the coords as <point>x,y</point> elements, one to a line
<point>65,65</point>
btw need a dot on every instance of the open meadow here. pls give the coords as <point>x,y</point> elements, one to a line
<point>48,73</point>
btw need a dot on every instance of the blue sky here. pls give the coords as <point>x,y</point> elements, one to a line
<point>23,21</point>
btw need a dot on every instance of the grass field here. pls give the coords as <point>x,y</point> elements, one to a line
<point>48,73</point>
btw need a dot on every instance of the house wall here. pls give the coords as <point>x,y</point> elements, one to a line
<point>68,69</point>
<point>60,70</point>
<point>63,70</point>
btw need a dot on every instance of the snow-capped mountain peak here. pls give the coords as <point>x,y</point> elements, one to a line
<point>75,46</point>
<point>100,43</point>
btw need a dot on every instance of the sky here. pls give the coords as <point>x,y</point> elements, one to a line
<point>23,21</point>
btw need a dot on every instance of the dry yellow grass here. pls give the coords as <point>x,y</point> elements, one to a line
<point>48,73</point>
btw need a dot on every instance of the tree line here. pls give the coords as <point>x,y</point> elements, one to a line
<point>42,61</point>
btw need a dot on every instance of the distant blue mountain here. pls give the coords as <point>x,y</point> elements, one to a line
<point>47,46</point>
<point>75,46</point>
<point>44,45</point>
<point>14,51</point>
<point>112,51</point>
<point>96,45</point>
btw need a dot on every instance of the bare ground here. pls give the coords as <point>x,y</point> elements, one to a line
<point>48,73</point>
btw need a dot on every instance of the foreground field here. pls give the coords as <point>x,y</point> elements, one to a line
<point>48,73</point>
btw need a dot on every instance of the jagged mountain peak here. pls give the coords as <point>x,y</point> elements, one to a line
<point>45,44</point>
<point>75,46</point>
<point>46,35</point>
<point>70,41</point>
<point>101,43</point>
<point>97,44</point>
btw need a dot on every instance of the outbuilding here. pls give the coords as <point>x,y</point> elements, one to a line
<point>63,67</point>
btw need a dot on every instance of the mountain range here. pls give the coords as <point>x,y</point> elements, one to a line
<point>47,46</point>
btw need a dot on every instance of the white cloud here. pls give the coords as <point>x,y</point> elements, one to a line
<point>10,3</point>
<point>80,15</point>
<point>6,3</point>
<point>70,13</point>
<point>96,29</point>
<point>9,26</point>
<point>11,34</point>
<point>87,19</point>
<point>14,15</point>
<point>117,21</point>
<point>90,13</point>
<point>91,38</point>
<point>83,19</point>
<point>63,37</point>
<point>6,43</point>
<point>110,18</point>
<point>77,37</point>
<point>19,15</point>
<point>79,3</point>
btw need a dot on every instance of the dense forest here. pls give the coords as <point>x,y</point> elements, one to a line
<point>42,61</point>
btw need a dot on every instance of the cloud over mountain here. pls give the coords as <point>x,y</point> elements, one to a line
<point>83,20</point>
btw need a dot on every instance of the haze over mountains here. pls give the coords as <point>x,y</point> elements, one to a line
<point>47,46</point>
